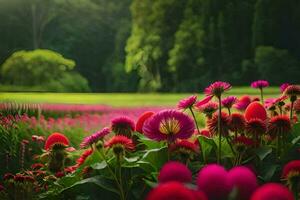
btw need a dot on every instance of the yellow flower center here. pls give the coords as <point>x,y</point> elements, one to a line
<point>169,126</point>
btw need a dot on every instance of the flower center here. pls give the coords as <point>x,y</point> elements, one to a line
<point>169,126</point>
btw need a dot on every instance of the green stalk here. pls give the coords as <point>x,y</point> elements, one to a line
<point>219,130</point>
<point>261,96</point>
<point>291,111</point>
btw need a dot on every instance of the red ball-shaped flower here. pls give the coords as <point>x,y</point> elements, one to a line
<point>244,180</point>
<point>174,171</point>
<point>272,191</point>
<point>255,110</point>
<point>141,120</point>
<point>171,191</point>
<point>213,181</point>
<point>169,125</point>
<point>56,139</point>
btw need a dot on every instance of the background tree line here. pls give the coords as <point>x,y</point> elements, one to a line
<point>156,45</point>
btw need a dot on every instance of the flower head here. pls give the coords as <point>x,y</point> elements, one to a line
<point>217,88</point>
<point>95,137</point>
<point>119,144</point>
<point>140,122</point>
<point>244,180</point>
<point>283,87</point>
<point>84,156</point>
<point>208,109</point>
<point>255,110</point>
<point>291,172</point>
<point>256,127</point>
<point>297,106</point>
<point>203,101</point>
<point>187,102</point>
<point>237,122</point>
<point>212,180</point>
<point>242,142</point>
<point>212,124</point>
<point>229,101</point>
<point>260,84</point>
<point>292,91</point>
<point>171,190</point>
<point>243,103</point>
<point>169,125</point>
<point>272,191</point>
<point>174,171</point>
<point>206,133</point>
<point>123,126</point>
<point>8,176</point>
<point>279,124</point>
<point>56,140</point>
<point>184,145</point>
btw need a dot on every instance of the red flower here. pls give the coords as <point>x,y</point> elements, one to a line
<point>237,122</point>
<point>272,191</point>
<point>255,110</point>
<point>213,124</point>
<point>217,88</point>
<point>292,91</point>
<point>184,145</point>
<point>291,169</point>
<point>174,171</point>
<point>206,133</point>
<point>59,174</point>
<point>140,122</point>
<point>243,103</point>
<point>56,139</point>
<point>84,156</point>
<point>36,166</point>
<point>244,141</point>
<point>171,191</point>
<point>122,125</point>
<point>279,124</point>
<point>120,140</point>
<point>8,176</point>
<point>256,127</point>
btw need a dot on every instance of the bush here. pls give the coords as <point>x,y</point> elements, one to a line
<point>43,68</point>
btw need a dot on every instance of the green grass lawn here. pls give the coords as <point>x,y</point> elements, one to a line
<point>119,99</point>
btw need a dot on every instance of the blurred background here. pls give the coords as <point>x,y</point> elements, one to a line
<point>146,45</point>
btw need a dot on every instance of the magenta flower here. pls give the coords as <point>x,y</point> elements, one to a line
<point>272,191</point>
<point>243,103</point>
<point>174,171</point>
<point>204,101</point>
<point>169,125</point>
<point>213,181</point>
<point>244,180</point>
<point>208,109</point>
<point>260,84</point>
<point>94,138</point>
<point>229,101</point>
<point>187,102</point>
<point>283,87</point>
<point>217,88</point>
<point>123,126</point>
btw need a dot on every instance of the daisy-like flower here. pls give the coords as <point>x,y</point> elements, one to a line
<point>241,143</point>
<point>243,180</point>
<point>237,122</point>
<point>272,191</point>
<point>141,120</point>
<point>122,126</point>
<point>217,88</point>
<point>279,125</point>
<point>228,102</point>
<point>260,84</point>
<point>243,103</point>
<point>212,180</point>
<point>56,140</point>
<point>283,87</point>
<point>292,91</point>
<point>291,173</point>
<point>169,125</point>
<point>174,171</point>
<point>187,102</point>
<point>256,128</point>
<point>184,149</point>
<point>94,138</point>
<point>171,190</point>
<point>208,109</point>
<point>119,144</point>
<point>297,106</point>
<point>255,110</point>
<point>212,124</point>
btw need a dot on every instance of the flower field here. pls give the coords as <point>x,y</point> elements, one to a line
<point>219,145</point>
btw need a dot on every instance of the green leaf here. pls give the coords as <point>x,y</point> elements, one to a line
<point>99,166</point>
<point>270,171</point>
<point>263,152</point>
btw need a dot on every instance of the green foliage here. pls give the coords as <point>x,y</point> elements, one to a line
<point>45,68</point>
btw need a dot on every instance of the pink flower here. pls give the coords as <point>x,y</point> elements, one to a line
<point>229,101</point>
<point>283,87</point>
<point>169,125</point>
<point>171,191</point>
<point>217,88</point>
<point>123,125</point>
<point>244,180</point>
<point>174,171</point>
<point>212,124</point>
<point>272,191</point>
<point>187,102</point>
<point>95,137</point>
<point>208,109</point>
<point>243,103</point>
<point>213,181</point>
<point>203,101</point>
<point>260,84</point>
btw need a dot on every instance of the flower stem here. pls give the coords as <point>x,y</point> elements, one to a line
<point>219,130</point>
<point>229,112</point>
<point>291,111</point>
<point>261,96</point>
